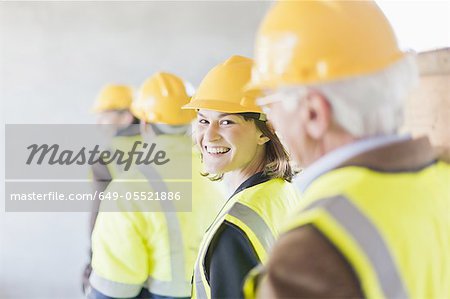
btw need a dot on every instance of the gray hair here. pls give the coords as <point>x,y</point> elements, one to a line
<point>366,105</point>
<point>372,104</point>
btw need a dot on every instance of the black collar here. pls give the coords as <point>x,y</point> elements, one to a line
<point>130,130</point>
<point>254,180</point>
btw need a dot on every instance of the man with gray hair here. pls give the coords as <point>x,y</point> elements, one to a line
<point>374,220</point>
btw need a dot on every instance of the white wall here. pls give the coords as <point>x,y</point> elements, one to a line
<point>419,25</point>
<point>54,57</point>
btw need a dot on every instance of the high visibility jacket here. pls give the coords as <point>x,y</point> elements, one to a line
<point>101,175</point>
<point>152,250</point>
<point>258,211</point>
<point>392,226</point>
<point>124,144</point>
<point>123,141</point>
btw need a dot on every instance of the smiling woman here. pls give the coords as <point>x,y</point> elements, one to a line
<point>238,145</point>
<point>229,143</point>
<point>246,143</point>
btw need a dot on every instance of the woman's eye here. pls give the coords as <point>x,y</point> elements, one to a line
<point>226,122</point>
<point>203,121</point>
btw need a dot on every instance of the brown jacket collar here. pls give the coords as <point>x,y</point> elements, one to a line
<point>402,156</point>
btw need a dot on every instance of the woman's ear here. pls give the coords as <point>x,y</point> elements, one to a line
<point>262,139</point>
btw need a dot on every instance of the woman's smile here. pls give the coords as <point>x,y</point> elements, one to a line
<point>217,150</point>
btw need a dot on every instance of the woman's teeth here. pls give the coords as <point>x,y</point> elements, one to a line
<point>217,150</point>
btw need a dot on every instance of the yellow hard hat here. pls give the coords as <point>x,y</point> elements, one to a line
<point>113,97</point>
<point>309,42</point>
<point>222,88</point>
<point>160,100</point>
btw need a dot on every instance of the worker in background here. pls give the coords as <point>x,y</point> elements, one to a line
<point>142,254</point>
<point>112,112</point>
<point>432,119</point>
<point>374,217</point>
<point>238,145</point>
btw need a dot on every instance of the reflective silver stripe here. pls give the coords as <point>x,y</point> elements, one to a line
<point>199,287</point>
<point>169,288</point>
<point>177,286</point>
<point>369,240</point>
<point>114,289</point>
<point>255,223</point>
<point>210,232</point>
<point>250,218</point>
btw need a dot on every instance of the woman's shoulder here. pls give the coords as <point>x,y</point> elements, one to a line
<point>273,187</point>
<point>272,200</point>
<point>274,192</point>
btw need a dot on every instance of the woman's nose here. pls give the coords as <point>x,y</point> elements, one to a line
<point>212,133</point>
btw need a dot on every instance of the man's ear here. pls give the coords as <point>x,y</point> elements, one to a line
<point>143,127</point>
<point>146,129</point>
<point>127,118</point>
<point>318,115</point>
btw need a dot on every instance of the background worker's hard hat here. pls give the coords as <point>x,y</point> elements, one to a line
<point>222,88</point>
<point>160,100</point>
<point>113,97</point>
<point>310,42</point>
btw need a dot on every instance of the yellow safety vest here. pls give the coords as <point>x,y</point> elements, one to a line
<point>125,144</point>
<point>153,250</point>
<point>393,228</point>
<point>259,212</point>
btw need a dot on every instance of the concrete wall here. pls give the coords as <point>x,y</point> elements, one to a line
<point>54,57</point>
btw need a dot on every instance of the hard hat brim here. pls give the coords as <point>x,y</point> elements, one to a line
<point>220,106</point>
